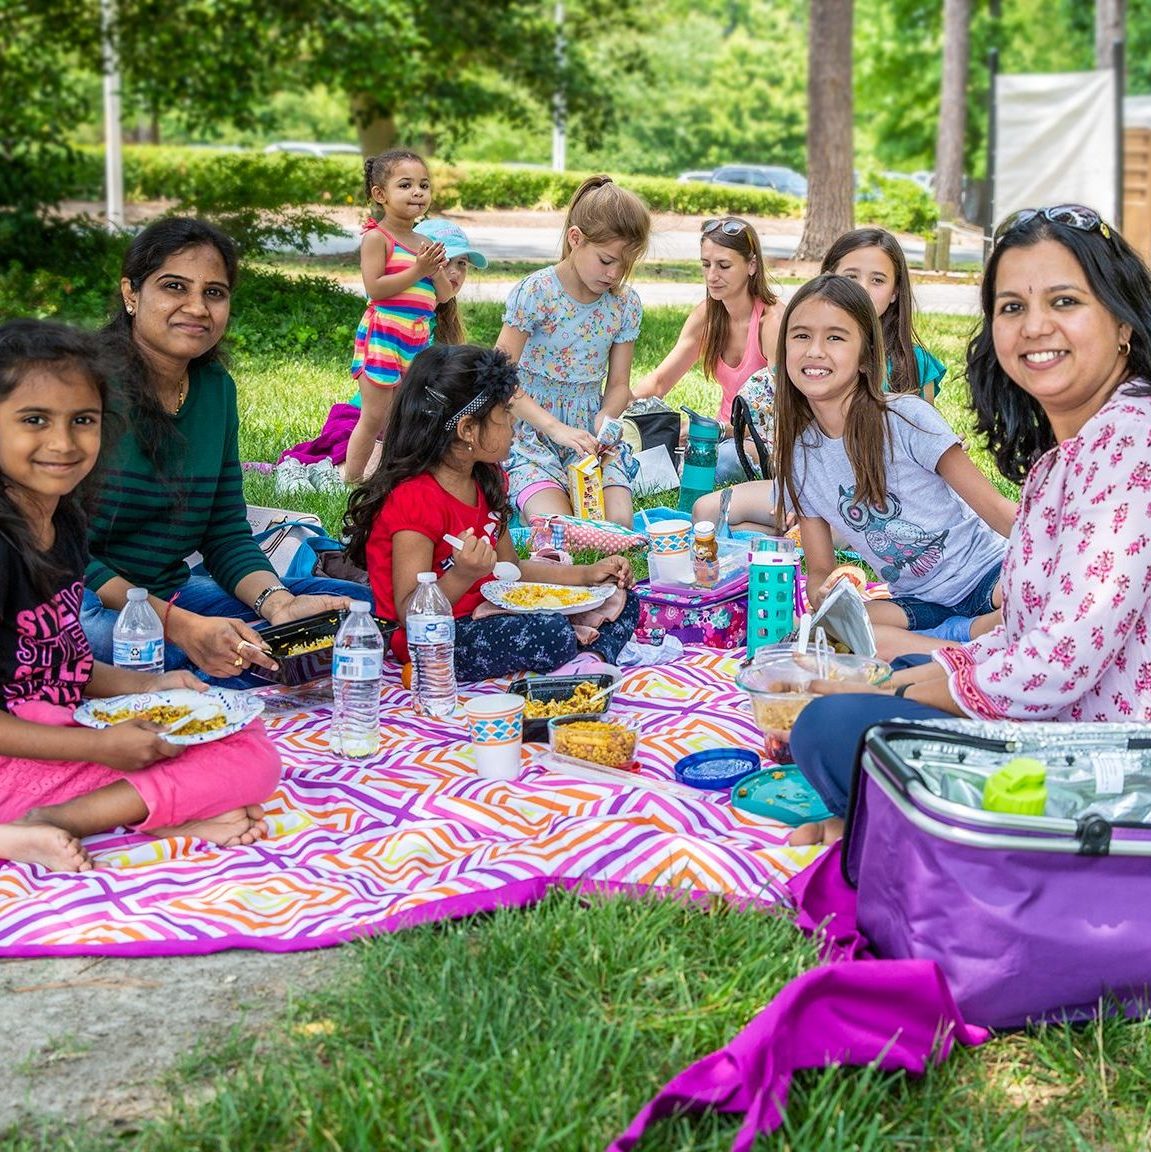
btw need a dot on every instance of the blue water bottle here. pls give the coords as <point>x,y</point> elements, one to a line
<point>699,461</point>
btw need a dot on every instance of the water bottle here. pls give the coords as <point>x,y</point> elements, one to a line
<point>138,635</point>
<point>432,644</point>
<point>698,476</point>
<point>357,668</point>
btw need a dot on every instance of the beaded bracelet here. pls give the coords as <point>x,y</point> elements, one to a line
<point>168,612</point>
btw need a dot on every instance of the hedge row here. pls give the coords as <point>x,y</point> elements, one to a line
<point>207,180</point>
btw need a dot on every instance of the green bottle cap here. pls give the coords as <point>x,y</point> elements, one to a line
<point>1020,786</point>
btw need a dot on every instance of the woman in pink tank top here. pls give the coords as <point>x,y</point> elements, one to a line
<point>732,333</point>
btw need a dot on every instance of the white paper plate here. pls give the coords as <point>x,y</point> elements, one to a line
<point>240,708</point>
<point>496,592</point>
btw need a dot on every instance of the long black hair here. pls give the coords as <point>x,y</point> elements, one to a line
<point>898,320</point>
<point>27,346</point>
<point>1017,429</point>
<point>442,383</point>
<point>150,420</point>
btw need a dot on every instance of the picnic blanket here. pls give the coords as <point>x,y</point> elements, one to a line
<point>413,835</point>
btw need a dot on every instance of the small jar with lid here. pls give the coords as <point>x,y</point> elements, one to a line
<point>705,554</point>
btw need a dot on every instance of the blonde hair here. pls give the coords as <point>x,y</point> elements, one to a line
<point>605,212</point>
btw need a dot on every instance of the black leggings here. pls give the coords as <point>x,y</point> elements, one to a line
<point>533,642</point>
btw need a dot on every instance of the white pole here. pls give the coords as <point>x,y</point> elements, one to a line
<point>113,162</point>
<point>559,102</point>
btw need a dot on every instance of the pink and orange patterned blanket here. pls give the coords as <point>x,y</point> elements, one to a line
<point>414,835</point>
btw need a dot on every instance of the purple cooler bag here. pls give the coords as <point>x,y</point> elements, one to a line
<point>1030,917</point>
<point>716,617</point>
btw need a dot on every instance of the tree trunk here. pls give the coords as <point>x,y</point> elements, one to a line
<point>830,146</point>
<point>376,133</point>
<point>952,108</point>
<point>1110,24</point>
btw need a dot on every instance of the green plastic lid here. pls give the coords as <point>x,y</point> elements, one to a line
<point>1020,786</point>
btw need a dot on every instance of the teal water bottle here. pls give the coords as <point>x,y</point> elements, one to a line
<point>771,582</point>
<point>699,461</point>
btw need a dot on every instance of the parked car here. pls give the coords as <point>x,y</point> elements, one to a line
<point>785,180</point>
<point>700,174</point>
<point>309,148</point>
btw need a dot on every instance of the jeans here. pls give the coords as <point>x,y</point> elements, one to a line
<point>203,596</point>
<point>922,614</point>
<point>828,737</point>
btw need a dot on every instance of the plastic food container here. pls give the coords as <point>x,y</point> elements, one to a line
<point>779,688</point>
<point>304,648</point>
<point>594,740</point>
<point>716,768</point>
<point>555,689</point>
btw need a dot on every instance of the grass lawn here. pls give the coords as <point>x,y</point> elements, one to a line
<point>547,1028</point>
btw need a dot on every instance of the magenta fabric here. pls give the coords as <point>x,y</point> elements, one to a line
<point>898,1013</point>
<point>332,440</point>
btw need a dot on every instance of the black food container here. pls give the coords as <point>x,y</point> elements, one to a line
<point>548,688</point>
<point>314,664</point>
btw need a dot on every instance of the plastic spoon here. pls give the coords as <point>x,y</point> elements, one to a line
<point>501,570</point>
<point>804,633</point>
<point>204,712</point>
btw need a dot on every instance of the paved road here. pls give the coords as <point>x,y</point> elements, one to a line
<point>543,243</point>
<point>957,299</point>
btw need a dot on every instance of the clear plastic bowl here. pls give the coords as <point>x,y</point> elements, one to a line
<point>779,684</point>
<point>594,739</point>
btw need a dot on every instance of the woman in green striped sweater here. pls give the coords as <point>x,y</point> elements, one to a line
<point>172,484</point>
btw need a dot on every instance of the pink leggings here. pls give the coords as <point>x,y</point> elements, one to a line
<point>203,781</point>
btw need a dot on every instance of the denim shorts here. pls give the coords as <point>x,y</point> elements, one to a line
<point>923,614</point>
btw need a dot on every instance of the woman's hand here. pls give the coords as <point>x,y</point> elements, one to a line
<point>298,607</point>
<point>132,745</point>
<point>475,559</point>
<point>222,646</point>
<point>609,570</point>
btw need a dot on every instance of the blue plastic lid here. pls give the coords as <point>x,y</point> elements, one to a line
<point>716,768</point>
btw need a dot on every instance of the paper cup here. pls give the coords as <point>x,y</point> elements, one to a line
<point>670,557</point>
<point>496,727</point>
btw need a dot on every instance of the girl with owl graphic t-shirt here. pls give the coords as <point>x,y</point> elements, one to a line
<point>883,472</point>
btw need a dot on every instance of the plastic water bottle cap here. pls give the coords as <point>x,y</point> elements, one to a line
<point>359,606</point>
<point>426,578</point>
<point>137,594</point>
<point>1020,786</point>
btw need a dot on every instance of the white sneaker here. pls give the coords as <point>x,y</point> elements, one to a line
<point>291,478</point>
<point>324,476</point>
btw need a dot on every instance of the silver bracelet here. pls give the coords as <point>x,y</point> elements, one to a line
<point>259,604</point>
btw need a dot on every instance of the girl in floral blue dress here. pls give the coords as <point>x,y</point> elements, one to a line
<point>571,328</point>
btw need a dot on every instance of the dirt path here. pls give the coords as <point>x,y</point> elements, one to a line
<point>90,1039</point>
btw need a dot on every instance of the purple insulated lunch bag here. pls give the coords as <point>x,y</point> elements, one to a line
<point>1043,916</point>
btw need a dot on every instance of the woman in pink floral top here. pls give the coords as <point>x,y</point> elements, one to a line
<point>1059,375</point>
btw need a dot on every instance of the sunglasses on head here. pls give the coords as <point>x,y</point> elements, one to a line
<point>1072,215</point>
<point>725,224</point>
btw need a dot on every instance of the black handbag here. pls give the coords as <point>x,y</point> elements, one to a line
<point>651,423</point>
<point>744,427</point>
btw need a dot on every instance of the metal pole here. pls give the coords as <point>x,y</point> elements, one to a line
<point>1119,66</point>
<point>113,161</point>
<point>559,101</point>
<point>989,222</point>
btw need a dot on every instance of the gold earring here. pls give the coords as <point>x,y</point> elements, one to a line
<point>1125,348</point>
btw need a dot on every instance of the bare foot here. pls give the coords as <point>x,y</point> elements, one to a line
<point>35,842</point>
<point>239,826</point>
<point>825,832</point>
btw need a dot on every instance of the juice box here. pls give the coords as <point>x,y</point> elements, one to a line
<point>585,482</point>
